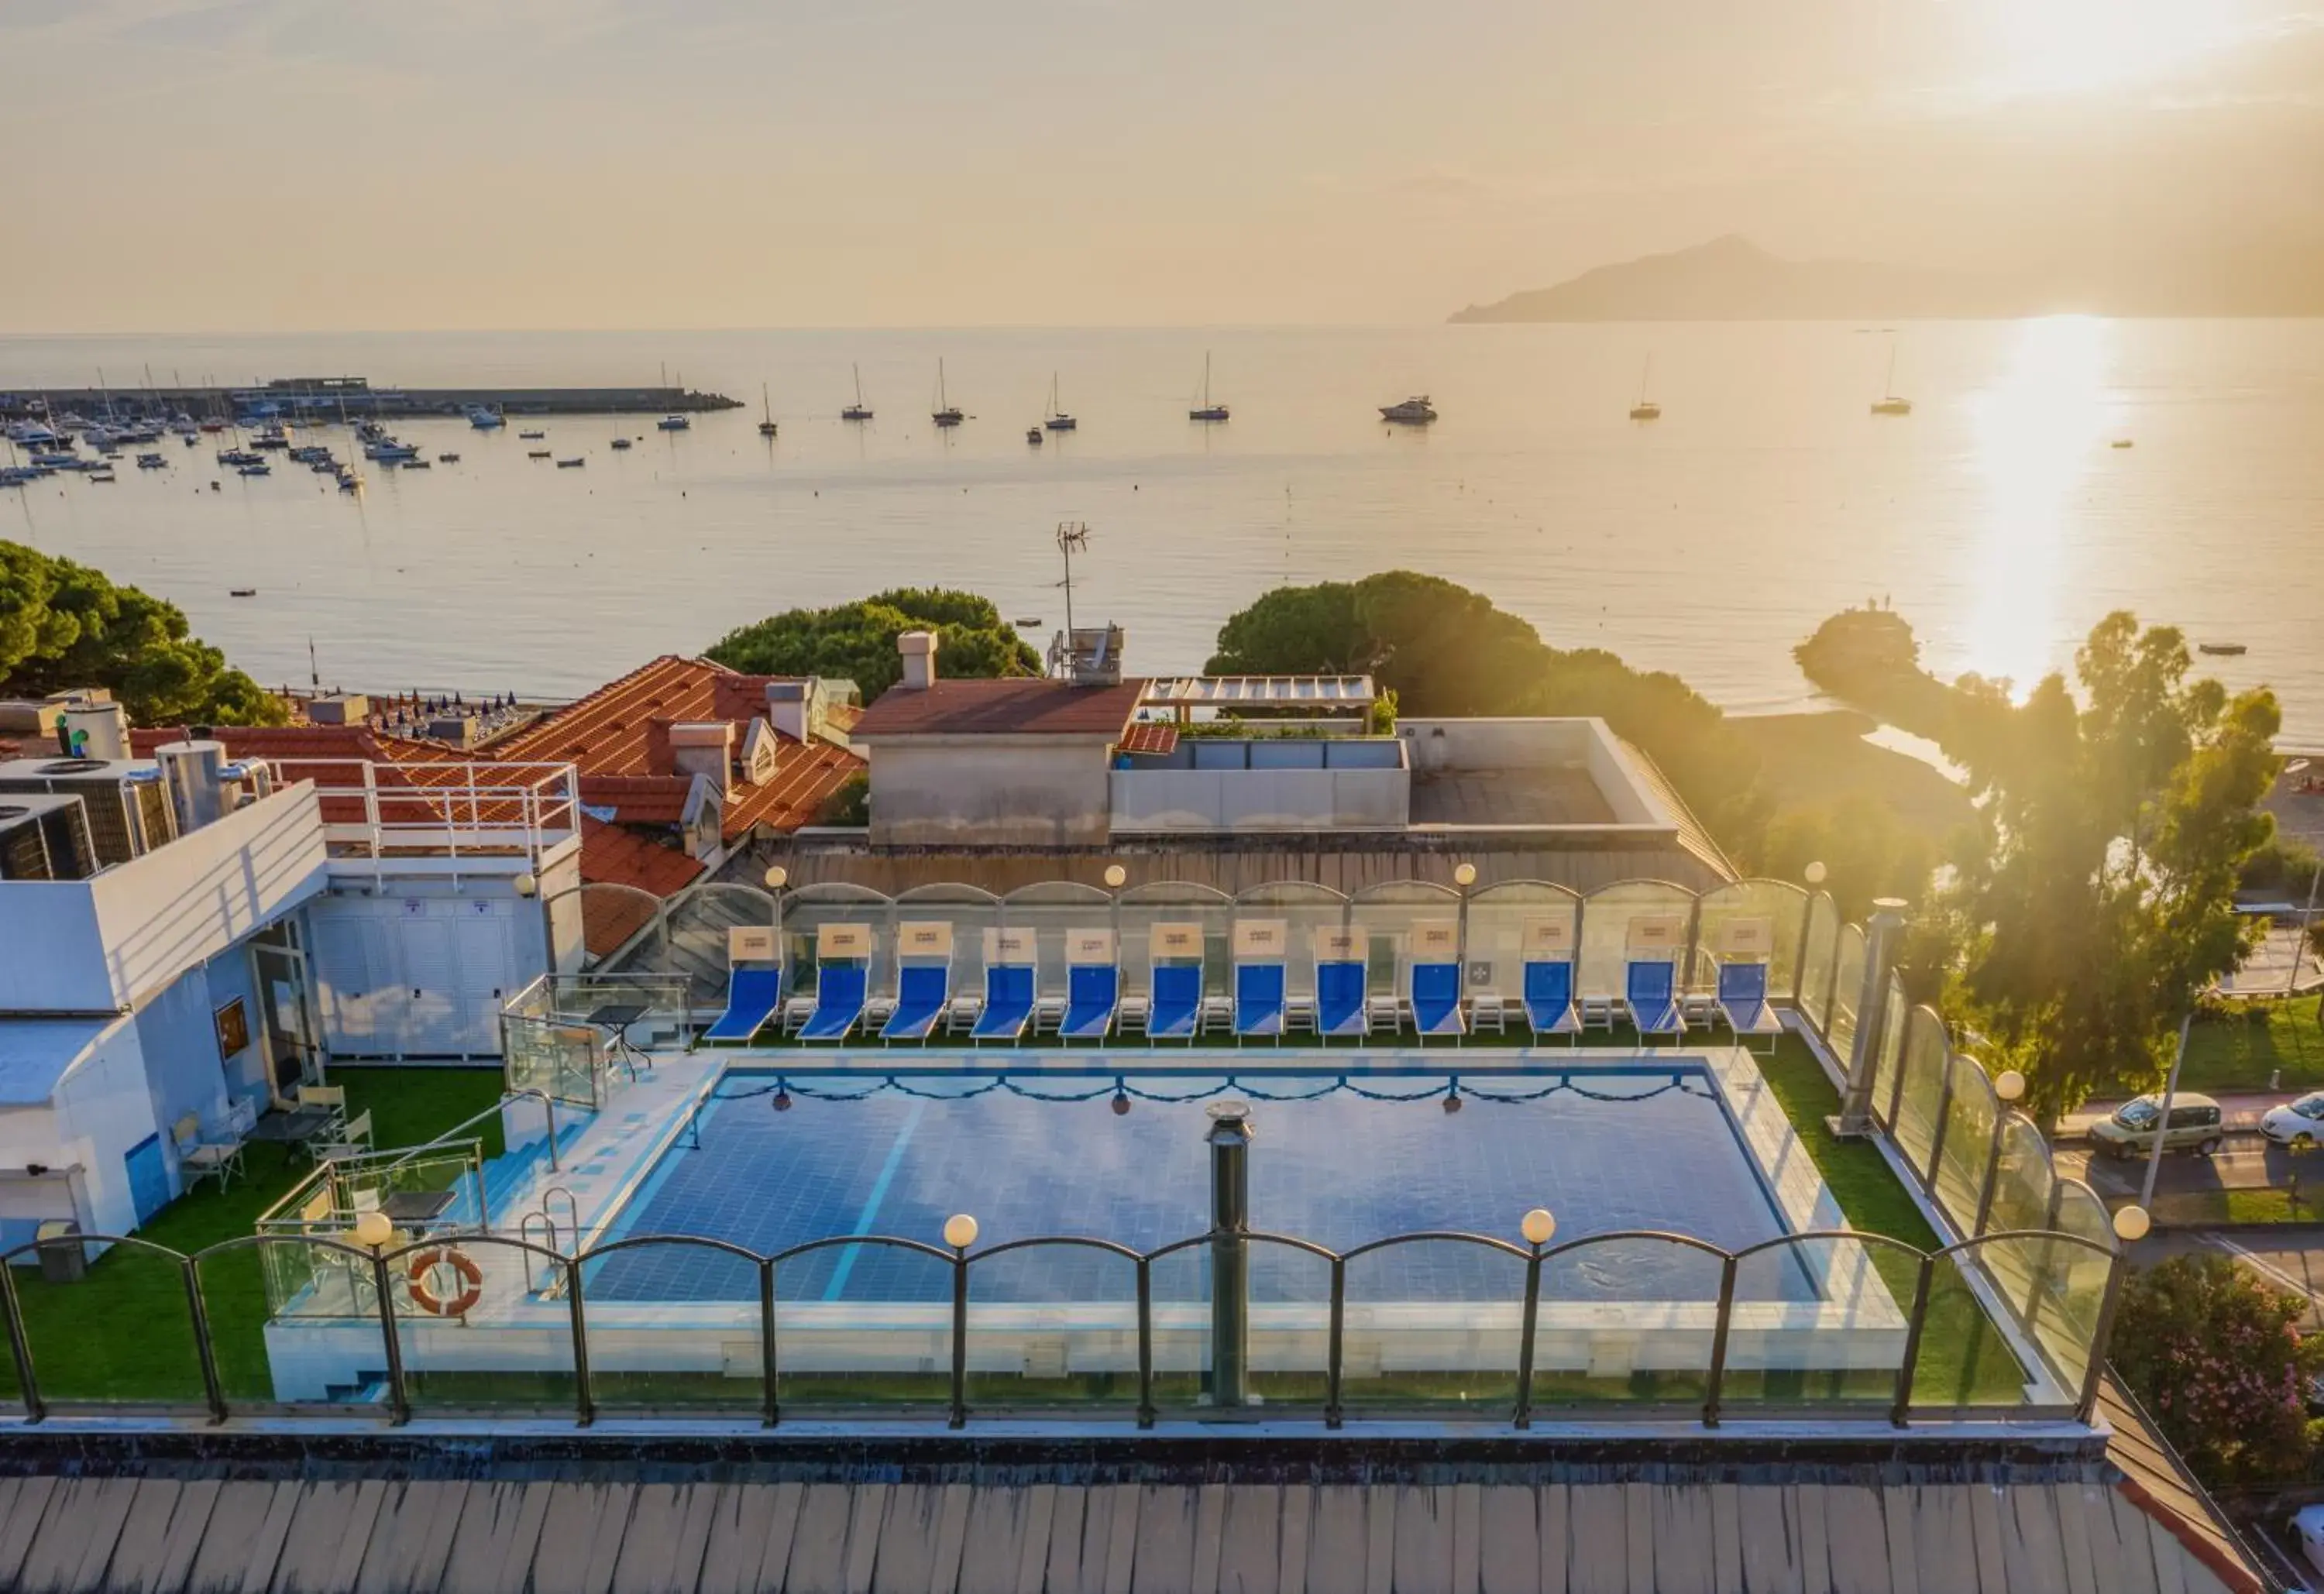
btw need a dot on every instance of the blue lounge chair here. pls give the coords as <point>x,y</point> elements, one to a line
<point>923,991</point>
<point>752,997</point>
<point>1648,996</point>
<point>840,990</point>
<point>1436,1000</point>
<point>1549,999</point>
<point>1092,993</point>
<point>1174,1010</point>
<point>1258,1000</point>
<point>1008,1002</point>
<point>1340,1005</point>
<point>1742,1000</point>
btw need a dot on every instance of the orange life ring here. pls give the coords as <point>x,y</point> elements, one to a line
<point>458,1305</point>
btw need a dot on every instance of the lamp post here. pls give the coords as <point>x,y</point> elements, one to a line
<point>2163,1117</point>
<point>960,1233</point>
<point>777,877</point>
<point>1465,875</point>
<point>2308,914</point>
<point>372,1231</point>
<point>1539,1227</point>
<point>1229,1141</point>
<point>2130,1227</point>
<point>2008,1089</point>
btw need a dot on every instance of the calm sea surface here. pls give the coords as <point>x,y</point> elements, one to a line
<point>1998,517</point>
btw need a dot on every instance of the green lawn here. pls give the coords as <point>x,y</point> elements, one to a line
<point>76,1331</point>
<point>2239,1049</point>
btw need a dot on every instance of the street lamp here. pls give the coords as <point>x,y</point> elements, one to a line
<point>2131,1224</point>
<point>960,1231</point>
<point>1814,872</point>
<point>1539,1227</point>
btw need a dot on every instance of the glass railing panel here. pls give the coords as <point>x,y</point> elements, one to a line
<point>1052,1327</point>
<point>1433,1324</point>
<point>1819,1322</point>
<point>1626,1320</point>
<point>484,1322</point>
<point>674,1325</point>
<point>864,1325</point>
<point>110,1329</point>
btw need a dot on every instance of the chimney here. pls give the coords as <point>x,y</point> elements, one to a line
<point>920,650</point>
<point>706,748</point>
<point>787,708</point>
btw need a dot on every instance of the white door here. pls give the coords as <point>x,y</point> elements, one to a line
<point>483,965</point>
<point>345,983</point>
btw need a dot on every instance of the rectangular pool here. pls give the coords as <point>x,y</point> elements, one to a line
<point>1336,1159</point>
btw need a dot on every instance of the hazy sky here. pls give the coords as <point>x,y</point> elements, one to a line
<point>265,164</point>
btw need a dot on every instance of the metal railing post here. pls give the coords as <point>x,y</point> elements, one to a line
<point>1944,1115</point>
<point>1863,1047</point>
<point>959,1338</point>
<point>1693,948</point>
<point>28,1387</point>
<point>1335,1360</point>
<point>771,1406</point>
<point>212,1389</point>
<point>1524,1417</point>
<point>1800,959</point>
<point>2091,1374</point>
<point>1145,1343</point>
<point>1900,1408</point>
<point>1992,1179</point>
<point>1713,1384</point>
<point>584,1404</point>
<point>398,1400</point>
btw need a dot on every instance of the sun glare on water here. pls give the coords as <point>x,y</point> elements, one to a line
<point>2072,46</point>
<point>2035,435</point>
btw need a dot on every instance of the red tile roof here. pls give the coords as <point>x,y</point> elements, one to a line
<point>618,738</point>
<point>614,855</point>
<point>1024,706</point>
<point>329,756</point>
<point>1150,736</point>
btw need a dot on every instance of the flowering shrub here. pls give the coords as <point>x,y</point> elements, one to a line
<point>2216,1355</point>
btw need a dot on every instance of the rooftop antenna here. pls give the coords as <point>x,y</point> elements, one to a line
<point>314,671</point>
<point>1071,535</point>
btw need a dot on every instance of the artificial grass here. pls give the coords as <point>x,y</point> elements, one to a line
<point>124,1333</point>
<point>1963,1359</point>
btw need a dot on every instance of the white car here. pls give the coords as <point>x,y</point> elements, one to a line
<point>2297,1124</point>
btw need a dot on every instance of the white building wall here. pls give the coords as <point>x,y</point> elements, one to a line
<point>421,971</point>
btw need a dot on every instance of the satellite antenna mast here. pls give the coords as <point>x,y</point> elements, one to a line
<point>314,670</point>
<point>1071,535</point>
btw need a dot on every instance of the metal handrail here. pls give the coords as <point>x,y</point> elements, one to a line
<point>507,1096</point>
<point>568,1269</point>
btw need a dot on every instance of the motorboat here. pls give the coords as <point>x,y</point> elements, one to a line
<point>257,469</point>
<point>674,422</point>
<point>19,476</point>
<point>32,434</point>
<point>567,465</point>
<point>621,442</point>
<point>388,451</point>
<point>103,476</point>
<point>271,436</point>
<point>483,419</point>
<point>537,454</point>
<point>152,462</point>
<point>418,462</point>
<point>531,437</point>
<point>2223,650</point>
<point>1033,435</point>
<point>447,459</point>
<point>1415,411</point>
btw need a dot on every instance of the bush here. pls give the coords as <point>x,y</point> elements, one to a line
<point>2283,863</point>
<point>2217,1357</point>
<point>857,642</point>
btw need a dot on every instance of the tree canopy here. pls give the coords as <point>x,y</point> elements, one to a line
<point>63,625</point>
<point>2216,1358</point>
<point>856,642</point>
<point>2100,900</point>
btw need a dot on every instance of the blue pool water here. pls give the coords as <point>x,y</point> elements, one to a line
<point>1603,1152</point>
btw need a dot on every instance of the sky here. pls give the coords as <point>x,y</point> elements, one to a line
<point>286,165</point>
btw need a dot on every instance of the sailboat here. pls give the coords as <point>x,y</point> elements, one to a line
<point>1646,408</point>
<point>1888,403</point>
<point>1206,411</point>
<point>947,413</point>
<point>767,412</point>
<point>858,410</point>
<point>1058,421</point>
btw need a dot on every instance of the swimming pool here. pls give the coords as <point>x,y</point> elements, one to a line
<point>1336,1159</point>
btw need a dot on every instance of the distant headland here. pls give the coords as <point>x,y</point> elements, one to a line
<point>1732,279</point>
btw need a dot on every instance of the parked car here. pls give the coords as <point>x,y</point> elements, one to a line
<point>2297,1124</point>
<point>2130,1132</point>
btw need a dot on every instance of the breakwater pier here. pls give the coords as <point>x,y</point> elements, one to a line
<point>331,398</point>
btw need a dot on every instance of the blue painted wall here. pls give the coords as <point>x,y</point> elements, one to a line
<point>229,975</point>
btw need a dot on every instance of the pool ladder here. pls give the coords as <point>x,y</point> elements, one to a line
<point>546,1220</point>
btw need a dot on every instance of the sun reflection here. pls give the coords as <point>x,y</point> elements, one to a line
<point>2035,435</point>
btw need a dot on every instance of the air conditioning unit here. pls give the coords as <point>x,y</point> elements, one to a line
<point>128,807</point>
<point>45,838</point>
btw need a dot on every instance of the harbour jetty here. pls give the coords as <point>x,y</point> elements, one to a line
<point>328,398</point>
